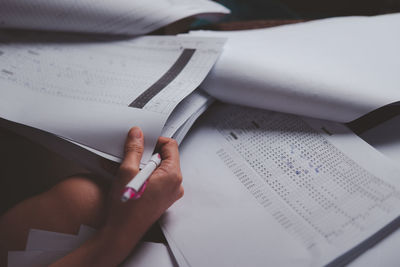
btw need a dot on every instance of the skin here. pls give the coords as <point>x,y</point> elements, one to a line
<point>120,227</point>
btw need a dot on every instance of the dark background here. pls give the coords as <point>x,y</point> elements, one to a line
<point>306,9</point>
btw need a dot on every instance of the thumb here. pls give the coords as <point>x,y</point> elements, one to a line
<point>134,147</point>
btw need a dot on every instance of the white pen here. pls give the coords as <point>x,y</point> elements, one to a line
<point>135,187</point>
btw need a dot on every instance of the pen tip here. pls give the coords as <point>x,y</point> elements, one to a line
<point>124,198</point>
<point>128,194</point>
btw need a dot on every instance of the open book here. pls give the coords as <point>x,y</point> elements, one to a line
<point>102,16</point>
<point>90,91</point>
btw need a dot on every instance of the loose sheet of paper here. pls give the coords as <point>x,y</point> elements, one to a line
<point>33,258</point>
<point>265,181</point>
<point>101,16</point>
<point>89,90</point>
<point>191,105</point>
<point>45,247</point>
<point>337,69</point>
<point>52,241</point>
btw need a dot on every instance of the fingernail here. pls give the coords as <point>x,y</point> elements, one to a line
<point>137,133</point>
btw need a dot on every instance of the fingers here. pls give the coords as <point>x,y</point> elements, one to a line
<point>169,170</point>
<point>168,149</point>
<point>134,147</point>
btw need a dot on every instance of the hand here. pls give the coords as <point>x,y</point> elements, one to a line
<point>126,222</point>
<point>162,190</point>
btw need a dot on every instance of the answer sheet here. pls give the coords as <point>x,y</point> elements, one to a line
<point>91,90</point>
<point>265,188</point>
<point>101,16</point>
<point>337,69</point>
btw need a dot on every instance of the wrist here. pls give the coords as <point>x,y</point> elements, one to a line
<point>100,250</point>
<point>124,233</point>
<point>110,248</point>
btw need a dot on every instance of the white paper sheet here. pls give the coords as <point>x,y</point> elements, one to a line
<point>181,133</point>
<point>108,71</point>
<point>101,16</point>
<point>269,188</point>
<point>147,254</point>
<point>336,69</point>
<point>86,232</point>
<point>52,241</point>
<point>99,126</point>
<point>33,258</point>
<point>184,111</point>
<point>81,89</point>
<point>86,158</point>
<point>385,253</point>
<point>384,138</point>
<point>45,247</point>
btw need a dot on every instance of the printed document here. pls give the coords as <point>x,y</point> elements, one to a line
<point>93,91</point>
<point>266,187</point>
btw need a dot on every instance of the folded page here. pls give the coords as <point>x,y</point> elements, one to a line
<point>101,16</point>
<point>181,133</point>
<point>337,69</point>
<point>184,111</point>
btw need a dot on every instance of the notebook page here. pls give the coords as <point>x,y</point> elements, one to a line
<point>101,16</point>
<point>330,192</point>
